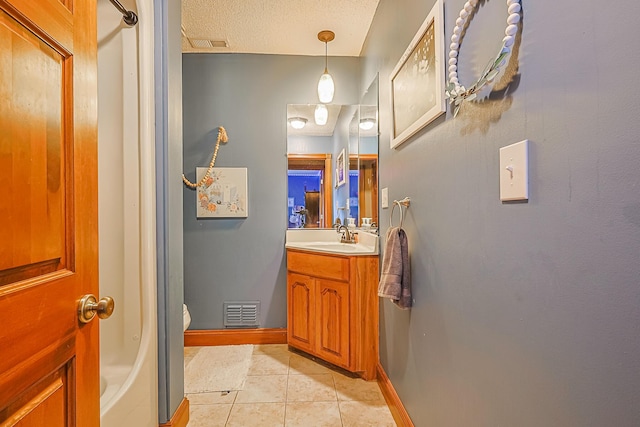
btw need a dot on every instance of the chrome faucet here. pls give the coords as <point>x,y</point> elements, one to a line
<point>347,237</point>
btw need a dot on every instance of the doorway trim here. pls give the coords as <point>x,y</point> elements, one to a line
<point>317,162</point>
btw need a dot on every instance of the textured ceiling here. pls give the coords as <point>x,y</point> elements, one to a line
<point>284,27</point>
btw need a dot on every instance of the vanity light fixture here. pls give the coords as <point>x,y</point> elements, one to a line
<point>326,88</point>
<point>367,124</point>
<point>297,122</point>
<point>321,114</point>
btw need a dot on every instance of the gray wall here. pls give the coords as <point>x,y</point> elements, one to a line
<point>525,314</point>
<point>368,145</point>
<point>168,95</point>
<point>243,259</point>
<point>341,142</point>
<point>305,144</point>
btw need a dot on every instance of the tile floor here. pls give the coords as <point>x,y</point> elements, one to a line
<point>286,389</point>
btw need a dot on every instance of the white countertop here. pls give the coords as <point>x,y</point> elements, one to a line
<point>328,240</point>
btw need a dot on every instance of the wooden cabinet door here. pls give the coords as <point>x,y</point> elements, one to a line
<point>49,367</point>
<point>300,311</point>
<point>332,321</point>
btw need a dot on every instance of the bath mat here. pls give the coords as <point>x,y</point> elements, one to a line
<point>219,368</point>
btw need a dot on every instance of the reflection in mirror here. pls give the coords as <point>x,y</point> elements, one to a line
<point>366,167</point>
<point>316,197</point>
<point>353,167</point>
<point>309,190</point>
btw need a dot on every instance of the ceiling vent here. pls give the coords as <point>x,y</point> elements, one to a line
<point>208,44</point>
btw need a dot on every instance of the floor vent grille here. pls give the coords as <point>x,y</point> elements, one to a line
<point>241,314</point>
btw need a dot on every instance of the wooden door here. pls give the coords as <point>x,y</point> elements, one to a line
<point>49,366</point>
<point>300,311</point>
<point>368,187</point>
<point>332,321</point>
<point>312,206</point>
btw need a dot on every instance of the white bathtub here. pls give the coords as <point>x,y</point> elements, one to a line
<point>126,203</point>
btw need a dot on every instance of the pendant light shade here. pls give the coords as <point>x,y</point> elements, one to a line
<point>321,114</point>
<point>326,88</point>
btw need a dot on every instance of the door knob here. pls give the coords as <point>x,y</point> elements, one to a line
<point>88,307</point>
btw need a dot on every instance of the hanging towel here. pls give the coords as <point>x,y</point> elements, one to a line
<point>395,281</point>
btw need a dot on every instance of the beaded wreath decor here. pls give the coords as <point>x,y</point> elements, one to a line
<point>455,91</point>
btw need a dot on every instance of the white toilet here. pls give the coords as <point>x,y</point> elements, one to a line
<point>186,316</point>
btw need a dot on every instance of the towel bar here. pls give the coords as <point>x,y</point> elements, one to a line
<point>400,203</point>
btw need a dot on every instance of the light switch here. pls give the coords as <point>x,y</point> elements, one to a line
<point>514,171</point>
<point>385,197</point>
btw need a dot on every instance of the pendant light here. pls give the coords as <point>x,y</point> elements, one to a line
<point>325,85</point>
<point>321,115</point>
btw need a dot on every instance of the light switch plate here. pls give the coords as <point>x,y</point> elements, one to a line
<point>385,197</point>
<point>514,171</point>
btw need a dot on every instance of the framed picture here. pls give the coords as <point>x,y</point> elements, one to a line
<point>417,81</point>
<point>223,194</point>
<point>341,169</point>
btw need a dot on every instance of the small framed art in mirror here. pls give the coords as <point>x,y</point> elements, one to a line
<point>341,169</point>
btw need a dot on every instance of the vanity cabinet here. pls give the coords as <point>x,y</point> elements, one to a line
<point>332,308</point>
<point>319,317</point>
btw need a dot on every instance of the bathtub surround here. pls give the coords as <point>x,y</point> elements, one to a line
<point>126,211</point>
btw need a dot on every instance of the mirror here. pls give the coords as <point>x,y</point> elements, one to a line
<point>317,177</point>
<point>332,163</point>
<point>367,176</point>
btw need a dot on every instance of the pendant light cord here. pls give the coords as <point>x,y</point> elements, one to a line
<point>326,58</point>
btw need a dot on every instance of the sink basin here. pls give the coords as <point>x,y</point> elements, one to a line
<point>334,247</point>
<point>347,247</point>
<point>327,241</point>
